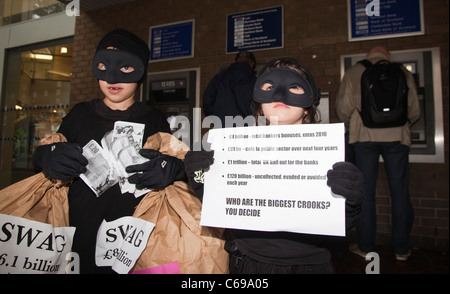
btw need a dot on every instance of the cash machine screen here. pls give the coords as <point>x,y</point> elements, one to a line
<point>169,90</point>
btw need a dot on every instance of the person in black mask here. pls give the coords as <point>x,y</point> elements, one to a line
<point>120,65</point>
<point>285,93</point>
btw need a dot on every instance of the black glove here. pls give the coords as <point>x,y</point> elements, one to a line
<point>60,161</point>
<point>157,173</point>
<point>195,163</point>
<point>346,180</point>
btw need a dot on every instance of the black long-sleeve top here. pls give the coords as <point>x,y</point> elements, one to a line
<point>91,120</point>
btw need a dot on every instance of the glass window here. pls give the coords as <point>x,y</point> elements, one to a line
<point>14,11</point>
<point>35,99</point>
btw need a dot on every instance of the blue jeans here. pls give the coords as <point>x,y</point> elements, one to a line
<point>396,161</point>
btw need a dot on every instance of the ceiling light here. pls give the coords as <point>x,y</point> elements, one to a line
<point>42,56</point>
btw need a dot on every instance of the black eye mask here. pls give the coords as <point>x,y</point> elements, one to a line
<point>114,60</point>
<point>283,79</point>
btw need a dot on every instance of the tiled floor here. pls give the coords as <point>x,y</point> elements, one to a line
<point>420,261</point>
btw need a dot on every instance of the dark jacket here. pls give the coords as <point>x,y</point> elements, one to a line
<point>230,92</point>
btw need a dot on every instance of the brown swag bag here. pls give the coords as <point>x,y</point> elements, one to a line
<point>177,235</point>
<point>37,197</point>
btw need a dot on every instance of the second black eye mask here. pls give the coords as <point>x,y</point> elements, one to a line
<point>282,80</point>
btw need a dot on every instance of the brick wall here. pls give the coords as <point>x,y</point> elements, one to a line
<point>315,33</point>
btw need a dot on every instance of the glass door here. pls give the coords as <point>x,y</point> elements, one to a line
<point>35,98</point>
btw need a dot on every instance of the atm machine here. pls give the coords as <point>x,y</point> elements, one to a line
<point>427,135</point>
<point>175,93</point>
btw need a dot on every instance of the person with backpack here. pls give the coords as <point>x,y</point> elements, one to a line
<point>377,100</point>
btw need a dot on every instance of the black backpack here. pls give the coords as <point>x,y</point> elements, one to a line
<point>384,95</point>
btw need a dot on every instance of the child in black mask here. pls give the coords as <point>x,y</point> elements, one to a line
<point>120,65</point>
<point>285,94</point>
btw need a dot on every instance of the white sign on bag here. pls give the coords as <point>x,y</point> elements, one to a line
<point>121,242</point>
<point>31,247</point>
<point>273,178</point>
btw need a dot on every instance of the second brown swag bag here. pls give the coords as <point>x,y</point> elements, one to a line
<point>37,197</point>
<point>177,235</point>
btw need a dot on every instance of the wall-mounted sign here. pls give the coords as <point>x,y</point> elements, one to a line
<point>172,41</point>
<point>379,19</point>
<point>255,30</point>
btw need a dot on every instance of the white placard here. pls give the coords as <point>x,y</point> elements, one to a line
<point>273,178</point>
<point>31,247</point>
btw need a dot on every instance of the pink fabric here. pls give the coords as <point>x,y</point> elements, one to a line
<point>168,268</point>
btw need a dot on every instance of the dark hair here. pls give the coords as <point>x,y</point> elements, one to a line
<point>245,54</point>
<point>311,116</point>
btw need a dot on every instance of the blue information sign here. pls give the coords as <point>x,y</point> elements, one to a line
<point>172,41</point>
<point>378,19</point>
<point>255,30</point>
